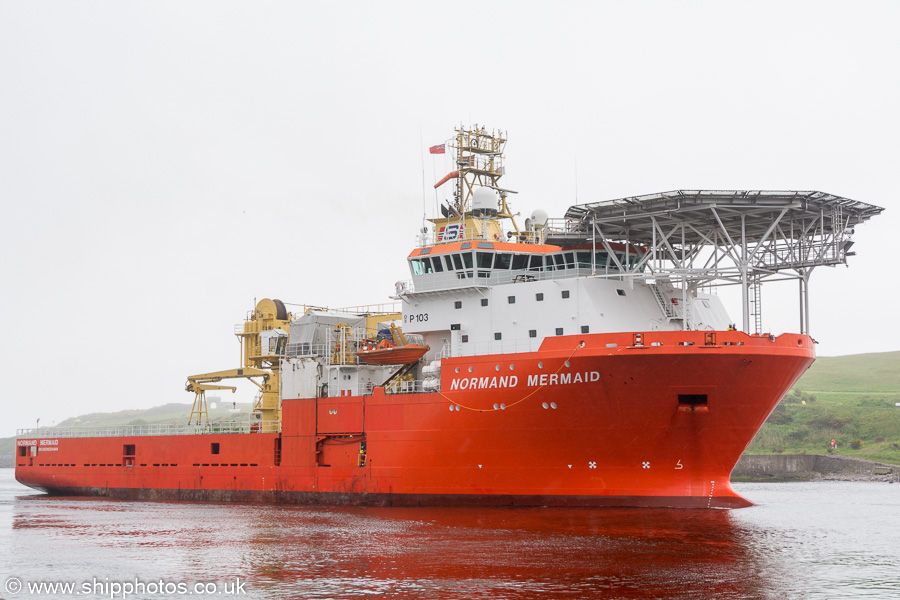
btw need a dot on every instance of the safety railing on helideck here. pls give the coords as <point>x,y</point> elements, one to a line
<point>150,430</point>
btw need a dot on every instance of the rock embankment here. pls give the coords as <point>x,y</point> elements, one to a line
<point>811,467</point>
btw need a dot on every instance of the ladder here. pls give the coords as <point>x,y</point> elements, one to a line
<point>756,304</point>
<point>666,307</point>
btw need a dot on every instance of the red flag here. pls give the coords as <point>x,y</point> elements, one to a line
<point>439,149</point>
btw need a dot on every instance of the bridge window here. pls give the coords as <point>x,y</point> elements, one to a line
<point>485,260</point>
<point>537,263</point>
<point>449,260</point>
<point>520,261</point>
<point>417,265</point>
<point>438,264</point>
<point>503,261</point>
<point>584,260</point>
<point>457,260</point>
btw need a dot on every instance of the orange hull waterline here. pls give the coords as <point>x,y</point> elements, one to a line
<point>563,374</point>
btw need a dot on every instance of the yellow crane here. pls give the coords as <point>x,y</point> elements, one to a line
<point>263,339</point>
<point>199,384</point>
<point>199,407</point>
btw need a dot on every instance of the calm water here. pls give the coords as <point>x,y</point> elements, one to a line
<point>802,540</point>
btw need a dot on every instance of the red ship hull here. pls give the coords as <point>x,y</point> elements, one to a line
<point>659,424</point>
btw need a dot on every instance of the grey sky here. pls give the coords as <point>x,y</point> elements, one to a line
<point>163,164</point>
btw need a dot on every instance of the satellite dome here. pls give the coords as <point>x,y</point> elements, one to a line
<point>539,218</point>
<point>484,202</point>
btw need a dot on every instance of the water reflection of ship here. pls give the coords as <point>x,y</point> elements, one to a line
<point>524,554</point>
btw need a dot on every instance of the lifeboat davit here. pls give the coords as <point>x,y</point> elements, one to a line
<point>384,352</point>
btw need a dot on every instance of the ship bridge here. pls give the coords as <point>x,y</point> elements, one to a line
<point>704,237</point>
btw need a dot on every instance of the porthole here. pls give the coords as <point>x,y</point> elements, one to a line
<point>567,363</point>
<point>496,407</point>
<point>512,367</point>
<point>497,367</point>
<point>502,407</point>
<point>471,369</point>
<point>540,365</point>
<point>457,369</point>
<point>545,405</point>
<point>553,405</point>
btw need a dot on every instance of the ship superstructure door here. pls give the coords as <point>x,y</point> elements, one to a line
<point>340,431</point>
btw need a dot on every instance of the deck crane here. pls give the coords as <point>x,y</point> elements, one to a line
<point>199,384</point>
<point>263,338</point>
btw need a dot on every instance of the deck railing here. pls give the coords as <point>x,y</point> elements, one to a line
<point>149,430</point>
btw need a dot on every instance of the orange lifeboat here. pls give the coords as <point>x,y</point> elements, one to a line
<point>373,352</point>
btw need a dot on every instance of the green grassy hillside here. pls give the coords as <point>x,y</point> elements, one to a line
<point>860,373</point>
<point>850,399</point>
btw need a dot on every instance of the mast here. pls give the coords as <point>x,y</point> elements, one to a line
<point>479,162</point>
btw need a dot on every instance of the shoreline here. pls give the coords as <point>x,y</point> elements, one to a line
<point>811,467</point>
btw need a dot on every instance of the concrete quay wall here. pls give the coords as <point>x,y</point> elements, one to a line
<point>805,467</point>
